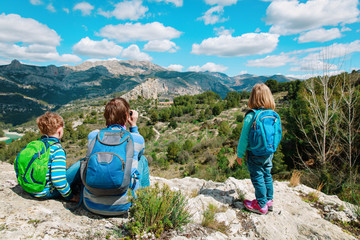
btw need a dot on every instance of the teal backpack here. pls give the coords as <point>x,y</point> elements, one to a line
<point>31,165</point>
<point>265,132</point>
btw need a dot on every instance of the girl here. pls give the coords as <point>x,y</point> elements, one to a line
<point>259,166</point>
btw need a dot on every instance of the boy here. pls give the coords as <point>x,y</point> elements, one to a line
<point>58,179</point>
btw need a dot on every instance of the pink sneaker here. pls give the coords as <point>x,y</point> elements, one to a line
<point>253,206</point>
<point>270,205</point>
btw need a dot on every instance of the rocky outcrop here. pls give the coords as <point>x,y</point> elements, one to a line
<point>148,90</point>
<point>154,88</point>
<point>22,217</point>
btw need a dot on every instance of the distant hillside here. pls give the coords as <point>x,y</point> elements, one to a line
<point>38,88</point>
<point>247,81</point>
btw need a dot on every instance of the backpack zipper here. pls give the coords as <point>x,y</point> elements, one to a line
<point>269,117</point>
<point>122,160</point>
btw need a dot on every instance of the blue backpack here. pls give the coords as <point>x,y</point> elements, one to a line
<point>106,170</point>
<point>265,132</point>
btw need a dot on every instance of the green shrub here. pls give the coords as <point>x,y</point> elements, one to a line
<point>239,118</point>
<point>173,124</point>
<point>235,135</point>
<point>188,145</point>
<point>173,151</point>
<point>156,210</point>
<point>224,129</point>
<point>183,157</point>
<point>209,219</point>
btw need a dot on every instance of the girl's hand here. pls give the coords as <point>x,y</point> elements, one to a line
<point>238,160</point>
<point>133,118</point>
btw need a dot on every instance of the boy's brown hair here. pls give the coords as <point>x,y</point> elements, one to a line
<point>261,97</point>
<point>49,122</point>
<point>117,111</point>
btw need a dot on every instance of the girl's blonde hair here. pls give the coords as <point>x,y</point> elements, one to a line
<point>261,97</point>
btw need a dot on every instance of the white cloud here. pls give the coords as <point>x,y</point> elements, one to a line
<point>292,17</point>
<point>133,52</point>
<point>221,2</point>
<point>314,66</point>
<point>213,15</point>
<point>36,2</point>
<point>5,61</point>
<point>175,67</point>
<point>161,46</point>
<point>257,30</point>
<point>243,72</point>
<point>319,35</point>
<point>15,29</point>
<point>210,67</point>
<point>66,10</point>
<point>27,39</point>
<point>35,53</point>
<point>270,61</point>
<point>345,29</point>
<point>311,75</point>
<point>222,31</point>
<point>336,50</point>
<point>84,7</point>
<point>129,32</point>
<point>50,7</point>
<point>132,10</point>
<point>97,49</point>
<point>177,3</point>
<point>244,45</point>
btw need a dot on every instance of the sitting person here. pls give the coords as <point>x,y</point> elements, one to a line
<point>110,168</point>
<point>58,180</point>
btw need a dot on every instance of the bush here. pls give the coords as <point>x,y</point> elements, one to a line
<point>210,222</point>
<point>173,124</point>
<point>239,118</point>
<point>183,157</point>
<point>236,133</point>
<point>156,210</point>
<point>224,128</point>
<point>173,151</point>
<point>188,145</point>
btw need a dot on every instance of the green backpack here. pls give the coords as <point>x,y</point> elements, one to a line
<point>31,165</point>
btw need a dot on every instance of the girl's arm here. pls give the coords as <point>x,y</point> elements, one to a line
<point>244,138</point>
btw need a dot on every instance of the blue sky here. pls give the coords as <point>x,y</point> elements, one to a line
<point>262,37</point>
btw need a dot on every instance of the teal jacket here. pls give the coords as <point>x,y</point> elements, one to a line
<point>244,138</point>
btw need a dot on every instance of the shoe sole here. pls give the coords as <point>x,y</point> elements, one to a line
<point>270,208</point>
<point>255,210</point>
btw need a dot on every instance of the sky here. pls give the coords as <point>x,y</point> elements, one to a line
<point>296,38</point>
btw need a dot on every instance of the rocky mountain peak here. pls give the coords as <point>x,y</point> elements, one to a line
<point>120,67</point>
<point>14,65</point>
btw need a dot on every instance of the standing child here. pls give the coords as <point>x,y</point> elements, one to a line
<point>260,155</point>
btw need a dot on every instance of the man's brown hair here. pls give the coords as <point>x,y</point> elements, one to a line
<point>49,122</point>
<point>117,111</point>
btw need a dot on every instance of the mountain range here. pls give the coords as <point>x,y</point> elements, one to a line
<point>27,91</point>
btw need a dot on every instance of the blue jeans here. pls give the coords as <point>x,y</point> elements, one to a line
<point>72,177</point>
<point>260,174</point>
